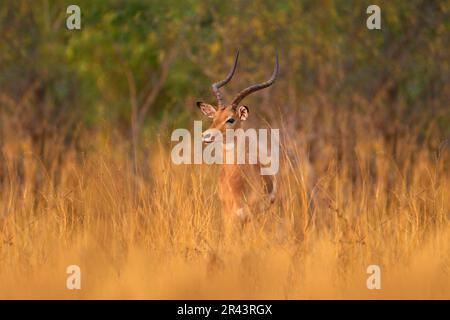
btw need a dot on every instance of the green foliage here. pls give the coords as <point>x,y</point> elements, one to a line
<point>324,46</point>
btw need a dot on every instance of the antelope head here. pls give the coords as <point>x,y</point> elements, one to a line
<point>230,116</point>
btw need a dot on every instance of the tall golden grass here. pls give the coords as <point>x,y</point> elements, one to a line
<point>161,237</point>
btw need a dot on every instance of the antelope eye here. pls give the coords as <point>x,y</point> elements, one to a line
<point>230,121</point>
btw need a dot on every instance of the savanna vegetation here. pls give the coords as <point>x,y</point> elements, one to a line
<point>86,176</point>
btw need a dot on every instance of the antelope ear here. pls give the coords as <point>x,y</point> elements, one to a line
<point>207,109</point>
<point>243,113</point>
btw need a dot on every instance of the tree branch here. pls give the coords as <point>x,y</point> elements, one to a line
<point>153,93</point>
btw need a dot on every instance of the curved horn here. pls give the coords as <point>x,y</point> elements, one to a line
<point>217,85</point>
<point>241,95</point>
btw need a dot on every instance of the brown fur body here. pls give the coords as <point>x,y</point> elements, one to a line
<point>243,191</point>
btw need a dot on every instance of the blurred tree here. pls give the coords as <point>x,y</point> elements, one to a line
<point>138,65</point>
